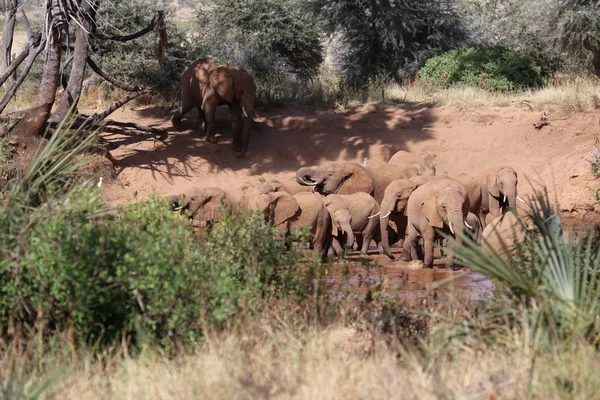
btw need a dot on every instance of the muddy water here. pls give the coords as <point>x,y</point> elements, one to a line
<point>413,284</point>
<point>408,281</point>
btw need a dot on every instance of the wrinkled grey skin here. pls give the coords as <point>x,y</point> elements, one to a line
<point>499,192</point>
<point>440,205</point>
<point>354,214</point>
<point>393,207</point>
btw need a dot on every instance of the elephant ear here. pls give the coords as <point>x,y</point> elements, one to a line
<point>334,229</point>
<point>355,179</point>
<point>284,207</point>
<point>491,183</point>
<point>430,211</point>
<point>222,82</point>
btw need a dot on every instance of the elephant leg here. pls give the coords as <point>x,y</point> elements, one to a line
<point>428,238</point>
<point>209,110</point>
<point>235,109</point>
<point>401,221</point>
<point>495,206</point>
<point>409,248</point>
<point>482,215</point>
<point>320,243</point>
<point>187,103</point>
<point>337,247</point>
<point>441,245</point>
<point>359,242</point>
<point>369,233</point>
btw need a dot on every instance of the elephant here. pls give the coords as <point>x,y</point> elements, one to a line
<point>499,192</point>
<point>474,192</point>
<point>414,165</point>
<point>503,233</point>
<point>313,213</point>
<point>206,206</point>
<point>284,185</point>
<point>349,178</point>
<point>352,214</point>
<point>336,178</point>
<point>393,207</point>
<point>440,205</point>
<point>203,206</point>
<point>207,85</point>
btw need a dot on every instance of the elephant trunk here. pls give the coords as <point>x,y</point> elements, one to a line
<point>388,205</point>
<point>304,176</point>
<point>385,240</point>
<point>511,199</point>
<point>349,235</point>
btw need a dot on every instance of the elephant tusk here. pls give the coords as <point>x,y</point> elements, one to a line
<point>504,199</point>
<point>244,112</point>
<point>467,225</point>
<point>373,216</point>
<point>386,215</point>
<point>256,115</point>
<point>520,199</point>
<point>451,228</point>
<point>308,183</point>
<point>177,208</point>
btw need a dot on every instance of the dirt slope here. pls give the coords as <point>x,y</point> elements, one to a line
<point>283,140</point>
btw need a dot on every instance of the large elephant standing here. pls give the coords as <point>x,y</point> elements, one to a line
<point>393,208</point>
<point>312,213</point>
<point>352,214</point>
<point>499,192</point>
<point>207,85</point>
<point>349,178</point>
<point>439,205</point>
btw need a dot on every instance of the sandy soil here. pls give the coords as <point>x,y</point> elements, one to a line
<point>286,139</point>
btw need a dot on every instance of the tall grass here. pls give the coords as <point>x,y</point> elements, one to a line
<point>550,284</point>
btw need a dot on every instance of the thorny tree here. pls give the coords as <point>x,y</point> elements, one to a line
<point>59,18</point>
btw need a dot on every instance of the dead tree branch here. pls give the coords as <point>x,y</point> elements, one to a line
<point>158,19</point>
<point>14,65</point>
<point>33,53</point>
<point>119,104</point>
<point>121,85</point>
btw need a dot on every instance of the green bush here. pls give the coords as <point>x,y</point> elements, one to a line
<point>135,61</point>
<point>492,68</point>
<point>143,272</point>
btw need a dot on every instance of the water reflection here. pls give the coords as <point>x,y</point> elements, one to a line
<point>402,279</point>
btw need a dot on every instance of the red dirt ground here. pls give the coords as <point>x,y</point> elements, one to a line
<point>286,139</point>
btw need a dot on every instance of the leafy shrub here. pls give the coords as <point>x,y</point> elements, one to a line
<point>390,39</point>
<point>143,272</point>
<point>135,61</point>
<point>548,287</point>
<point>280,27</point>
<point>493,68</point>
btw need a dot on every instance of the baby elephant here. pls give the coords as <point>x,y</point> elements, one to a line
<point>352,214</point>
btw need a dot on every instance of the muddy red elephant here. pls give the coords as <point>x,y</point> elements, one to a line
<point>207,85</point>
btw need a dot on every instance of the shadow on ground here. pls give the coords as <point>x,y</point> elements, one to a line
<point>281,140</point>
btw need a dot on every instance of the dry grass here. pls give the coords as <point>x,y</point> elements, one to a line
<point>337,363</point>
<point>576,95</point>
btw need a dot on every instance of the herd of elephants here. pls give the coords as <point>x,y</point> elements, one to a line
<point>400,201</point>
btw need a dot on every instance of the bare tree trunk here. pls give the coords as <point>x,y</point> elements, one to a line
<point>70,96</point>
<point>596,62</point>
<point>57,24</point>
<point>10,11</point>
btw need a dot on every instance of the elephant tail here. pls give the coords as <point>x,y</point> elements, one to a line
<point>177,97</point>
